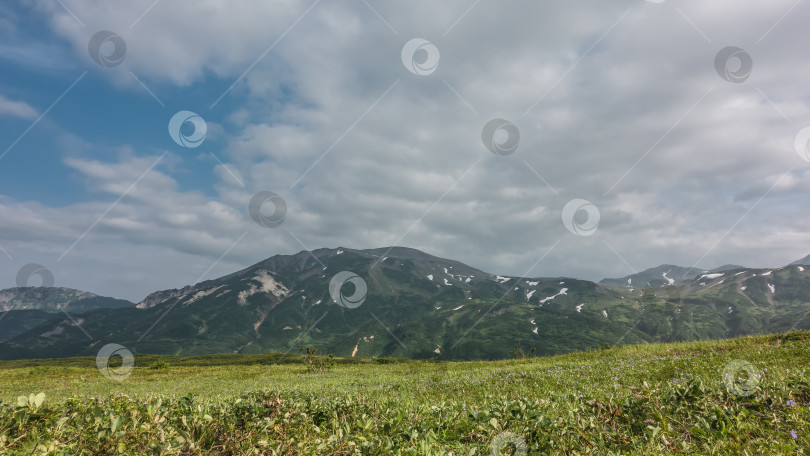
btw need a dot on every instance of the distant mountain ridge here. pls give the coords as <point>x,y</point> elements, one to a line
<point>412,304</point>
<point>22,309</point>
<point>663,275</point>
<point>56,299</point>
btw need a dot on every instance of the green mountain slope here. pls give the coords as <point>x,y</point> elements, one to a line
<point>422,306</point>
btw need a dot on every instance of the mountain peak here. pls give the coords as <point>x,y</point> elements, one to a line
<point>665,274</point>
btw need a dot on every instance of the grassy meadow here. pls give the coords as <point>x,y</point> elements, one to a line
<point>745,396</point>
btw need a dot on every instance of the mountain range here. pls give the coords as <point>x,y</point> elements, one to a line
<point>402,302</point>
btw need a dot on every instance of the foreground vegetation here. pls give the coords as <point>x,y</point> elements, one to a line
<point>741,396</point>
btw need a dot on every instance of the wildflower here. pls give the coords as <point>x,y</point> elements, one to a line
<point>791,402</point>
<point>793,434</point>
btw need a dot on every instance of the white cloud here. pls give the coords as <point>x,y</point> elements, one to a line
<point>19,109</point>
<point>627,113</point>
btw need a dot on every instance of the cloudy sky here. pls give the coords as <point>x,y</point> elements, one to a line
<point>582,138</point>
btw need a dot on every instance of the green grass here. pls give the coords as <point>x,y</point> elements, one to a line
<point>645,400</point>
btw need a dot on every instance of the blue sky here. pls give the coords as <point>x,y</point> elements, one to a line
<point>619,105</point>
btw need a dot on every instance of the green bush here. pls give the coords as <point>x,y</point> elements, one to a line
<point>386,360</point>
<point>159,365</point>
<point>315,363</point>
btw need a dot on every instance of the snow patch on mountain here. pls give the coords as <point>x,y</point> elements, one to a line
<point>564,291</point>
<point>712,276</point>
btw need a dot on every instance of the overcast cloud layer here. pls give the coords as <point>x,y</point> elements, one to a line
<point>619,103</point>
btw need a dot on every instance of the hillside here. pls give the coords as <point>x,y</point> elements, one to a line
<point>419,306</point>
